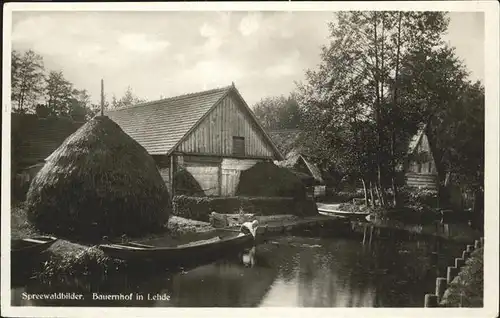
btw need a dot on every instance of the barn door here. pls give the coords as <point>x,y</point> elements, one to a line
<point>230,180</point>
<point>230,174</point>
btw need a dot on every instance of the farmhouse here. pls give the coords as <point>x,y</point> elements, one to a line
<point>420,170</point>
<point>212,134</point>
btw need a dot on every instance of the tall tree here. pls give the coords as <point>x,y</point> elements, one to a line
<point>80,106</point>
<point>278,112</point>
<point>27,77</point>
<point>59,94</point>
<point>359,77</point>
<point>128,99</point>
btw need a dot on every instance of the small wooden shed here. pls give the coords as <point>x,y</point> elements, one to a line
<point>300,163</point>
<point>420,170</point>
<point>212,134</point>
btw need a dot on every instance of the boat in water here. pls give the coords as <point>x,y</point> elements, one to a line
<point>197,248</point>
<point>332,210</point>
<point>26,249</point>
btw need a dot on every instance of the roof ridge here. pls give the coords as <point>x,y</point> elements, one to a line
<point>186,95</point>
<point>285,130</point>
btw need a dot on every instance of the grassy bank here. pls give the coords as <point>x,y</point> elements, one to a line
<point>20,226</point>
<point>66,259</point>
<point>406,214</point>
<point>415,221</point>
<point>466,290</point>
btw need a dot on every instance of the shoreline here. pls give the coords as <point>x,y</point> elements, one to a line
<point>66,258</point>
<point>466,289</point>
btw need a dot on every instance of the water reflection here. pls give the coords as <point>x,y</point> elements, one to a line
<point>249,257</point>
<point>290,271</point>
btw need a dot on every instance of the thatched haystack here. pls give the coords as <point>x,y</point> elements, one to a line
<point>306,179</point>
<point>186,184</point>
<point>99,182</point>
<point>268,180</point>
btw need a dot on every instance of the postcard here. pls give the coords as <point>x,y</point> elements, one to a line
<point>250,158</point>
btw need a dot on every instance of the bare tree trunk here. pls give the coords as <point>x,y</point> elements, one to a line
<point>365,191</point>
<point>372,195</point>
<point>381,189</point>
<point>378,118</point>
<point>393,129</point>
<point>379,196</point>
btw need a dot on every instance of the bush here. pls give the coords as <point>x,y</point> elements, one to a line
<point>19,224</point>
<point>67,261</point>
<point>406,215</point>
<point>99,182</point>
<point>199,208</point>
<point>345,196</point>
<point>350,207</point>
<point>419,197</point>
<point>265,179</point>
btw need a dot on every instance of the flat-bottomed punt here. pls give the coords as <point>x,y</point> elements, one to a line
<point>328,210</point>
<point>24,250</point>
<point>198,248</point>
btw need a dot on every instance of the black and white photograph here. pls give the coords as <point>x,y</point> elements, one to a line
<point>307,155</point>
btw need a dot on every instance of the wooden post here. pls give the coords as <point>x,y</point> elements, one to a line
<point>451,274</point>
<point>172,172</point>
<point>465,255</point>
<point>434,258</point>
<point>219,180</point>
<point>477,244</point>
<point>441,287</point>
<point>470,248</point>
<point>482,241</point>
<point>431,300</point>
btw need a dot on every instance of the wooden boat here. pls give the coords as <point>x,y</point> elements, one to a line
<point>199,248</point>
<point>341,214</point>
<point>29,248</point>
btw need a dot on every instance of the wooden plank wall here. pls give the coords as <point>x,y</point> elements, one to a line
<point>427,167</point>
<point>206,171</point>
<point>231,170</point>
<point>165,175</point>
<point>215,133</point>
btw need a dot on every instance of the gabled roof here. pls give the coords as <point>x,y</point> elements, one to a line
<point>159,126</point>
<point>285,139</point>
<point>416,139</point>
<point>293,158</point>
<point>34,138</point>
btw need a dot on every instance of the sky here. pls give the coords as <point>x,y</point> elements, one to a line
<point>162,54</point>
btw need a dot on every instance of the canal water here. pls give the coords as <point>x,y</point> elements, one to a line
<point>289,271</point>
